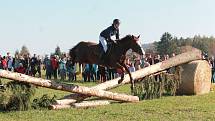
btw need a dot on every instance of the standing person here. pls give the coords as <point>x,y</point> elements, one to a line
<point>212,62</point>
<point>157,59</point>
<point>21,69</point>
<point>131,67</point>
<point>86,72</point>
<point>26,63</point>
<point>39,65</point>
<point>137,64</point>
<point>106,36</point>
<point>111,73</point>
<point>93,72</point>
<point>10,63</point>
<point>48,67</point>
<point>33,65</point>
<point>62,68</point>
<point>150,59</point>
<point>7,57</point>
<point>55,66</point>
<point>146,63</point>
<point>74,76</point>
<point>102,73</point>
<point>71,70</point>
<point>4,63</point>
<point>1,66</point>
<point>16,62</point>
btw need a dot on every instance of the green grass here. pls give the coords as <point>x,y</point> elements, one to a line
<point>167,108</point>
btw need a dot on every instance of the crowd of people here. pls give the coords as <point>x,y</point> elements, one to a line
<point>56,67</point>
<point>22,64</point>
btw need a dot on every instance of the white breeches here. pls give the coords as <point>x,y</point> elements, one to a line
<point>103,42</point>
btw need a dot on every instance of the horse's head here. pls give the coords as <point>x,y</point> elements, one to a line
<point>135,45</point>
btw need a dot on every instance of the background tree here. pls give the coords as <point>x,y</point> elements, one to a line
<point>58,51</point>
<point>167,45</point>
<point>24,50</point>
<point>17,52</point>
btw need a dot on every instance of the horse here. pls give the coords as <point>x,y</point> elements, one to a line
<point>89,52</point>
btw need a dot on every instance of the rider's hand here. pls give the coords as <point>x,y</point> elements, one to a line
<point>114,41</point>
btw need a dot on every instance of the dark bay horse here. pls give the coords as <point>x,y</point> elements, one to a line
<point>88,52</point>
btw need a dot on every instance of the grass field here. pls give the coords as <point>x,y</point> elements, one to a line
<point>167,108</point>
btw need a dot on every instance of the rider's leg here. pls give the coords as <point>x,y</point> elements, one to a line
<point>103,42</point>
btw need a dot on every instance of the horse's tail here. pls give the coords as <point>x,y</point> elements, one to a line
<point>72,54</point>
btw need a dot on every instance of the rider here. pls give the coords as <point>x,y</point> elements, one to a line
<point>105,36</point>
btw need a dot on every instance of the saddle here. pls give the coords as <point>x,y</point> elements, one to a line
<point>104,56</point>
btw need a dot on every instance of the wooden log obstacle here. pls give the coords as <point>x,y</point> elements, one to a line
<point>100,90</point>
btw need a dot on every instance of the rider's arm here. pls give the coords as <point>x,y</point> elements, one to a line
<point>117,34</point>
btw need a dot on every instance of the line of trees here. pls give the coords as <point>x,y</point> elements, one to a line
<point>169,44</point>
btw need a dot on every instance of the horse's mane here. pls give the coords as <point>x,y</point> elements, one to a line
<point>127,37</point>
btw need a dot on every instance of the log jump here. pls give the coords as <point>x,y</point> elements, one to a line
<point>183,58</point>
<point>100,90</point>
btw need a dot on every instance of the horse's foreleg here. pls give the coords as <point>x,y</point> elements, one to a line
<point>131,79</point>
<point>122,69</point>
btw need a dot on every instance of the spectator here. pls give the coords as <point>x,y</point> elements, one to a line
<point>150,59</point>
<point>62,68</point>
<point>4,63</point>
<point>1,66</point>
<point>137,64</point>
<point>102,73</point>
<point>157,59</point>
<point>26,63</point>
<point>86,73</point>
<point>39,63</point>
<point>93,72</point>
<point>71,70</point>
<point>55,66</point>
<point>111,73</point>
<point>21,69</point>
<point>131,67</point>
<point>10,63</point>
<point>48,67</point>
<point>33,64</point>
<point>16,62</point>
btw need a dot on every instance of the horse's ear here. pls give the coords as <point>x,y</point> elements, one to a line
<point>132,36</point>
<point>138,37</point>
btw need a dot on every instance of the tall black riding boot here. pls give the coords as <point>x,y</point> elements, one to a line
<point>102,57</point>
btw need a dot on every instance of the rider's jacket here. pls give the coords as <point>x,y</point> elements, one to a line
<point>110,31</point>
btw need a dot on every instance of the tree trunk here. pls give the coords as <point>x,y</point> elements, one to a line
<point>186,57</point>
<point>70,88</point>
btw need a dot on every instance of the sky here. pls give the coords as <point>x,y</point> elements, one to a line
<point>41,25</point>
